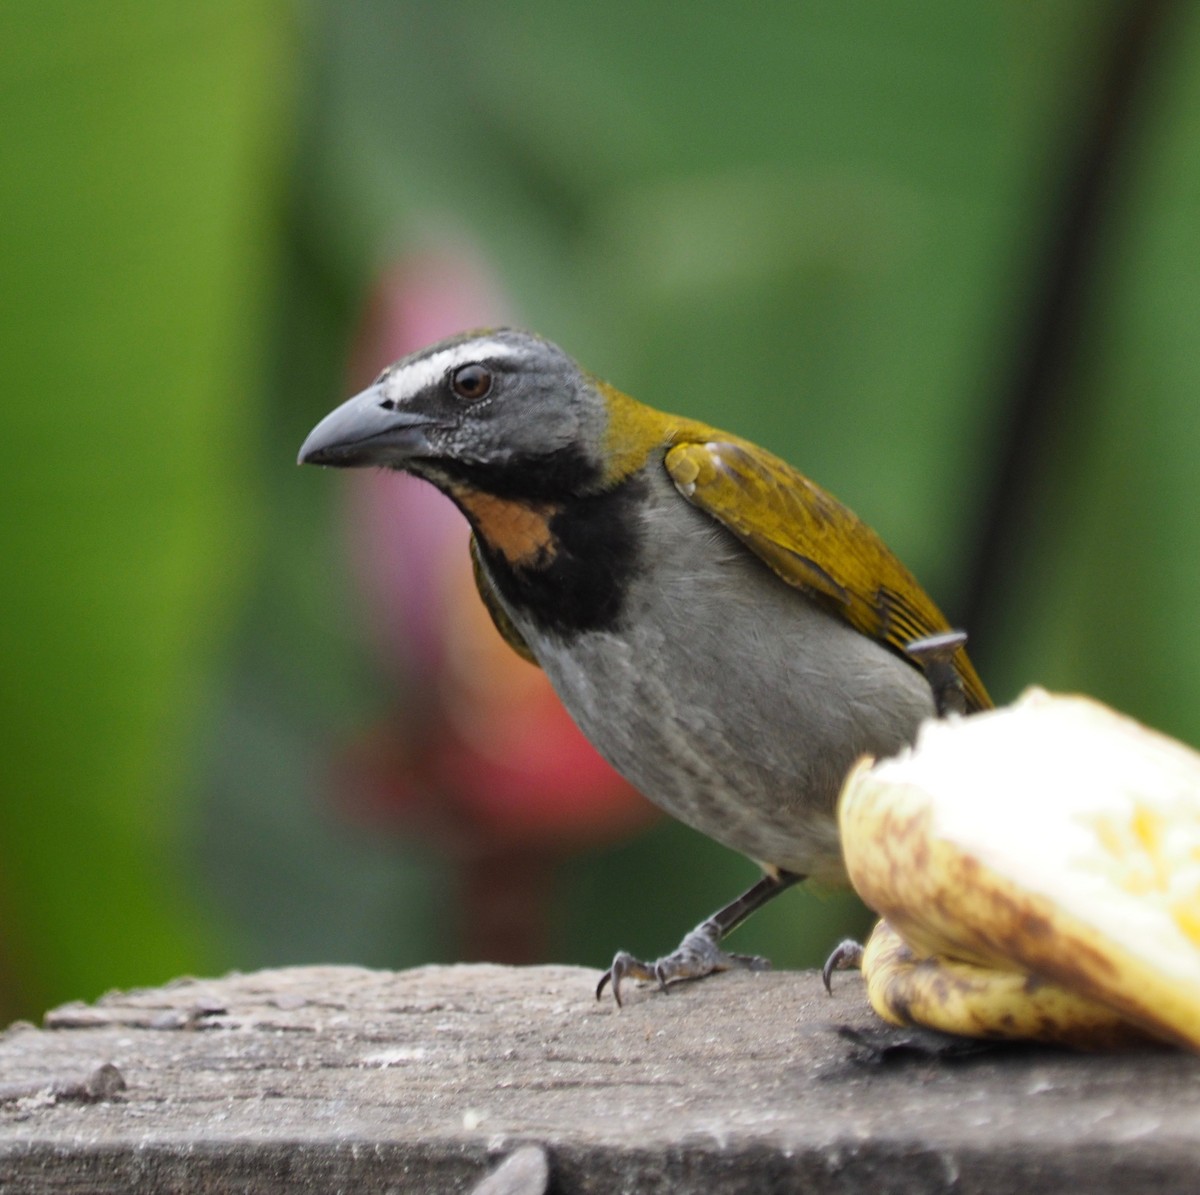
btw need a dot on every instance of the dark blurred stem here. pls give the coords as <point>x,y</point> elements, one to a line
<point>1041,405</point>
<point>505,898</point>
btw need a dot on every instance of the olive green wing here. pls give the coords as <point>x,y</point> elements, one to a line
<point>813,542</point>
<point>504,624</point>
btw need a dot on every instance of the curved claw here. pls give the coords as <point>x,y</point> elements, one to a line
<point>625,966</point>
<point>700,953</point>
<point>696,956</point>
<point>846,956</point>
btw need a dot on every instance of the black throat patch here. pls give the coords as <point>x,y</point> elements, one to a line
<point>578,578</point>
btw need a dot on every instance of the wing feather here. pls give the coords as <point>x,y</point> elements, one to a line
<point>814,543</point>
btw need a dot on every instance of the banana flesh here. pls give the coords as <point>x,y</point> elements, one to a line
<point>1038,868</point>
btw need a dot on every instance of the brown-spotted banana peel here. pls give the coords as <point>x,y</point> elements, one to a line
<point>1040,865</point>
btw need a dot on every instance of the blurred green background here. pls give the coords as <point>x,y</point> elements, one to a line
<point>872,236</point>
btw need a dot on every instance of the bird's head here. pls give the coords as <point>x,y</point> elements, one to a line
<point>502,411</point>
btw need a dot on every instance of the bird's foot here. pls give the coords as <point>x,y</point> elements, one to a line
<point>698,955</point>
<point>847,956</point>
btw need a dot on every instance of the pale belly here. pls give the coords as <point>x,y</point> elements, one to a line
<point>740,717</point>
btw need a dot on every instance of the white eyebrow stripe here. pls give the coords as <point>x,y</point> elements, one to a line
<point>410,380</point>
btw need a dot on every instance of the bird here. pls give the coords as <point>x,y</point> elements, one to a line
<point>729,636</point>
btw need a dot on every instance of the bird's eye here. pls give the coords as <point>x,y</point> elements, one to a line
<point>471,382</point>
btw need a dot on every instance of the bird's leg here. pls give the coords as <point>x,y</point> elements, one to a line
<point>935,654</point>
<point>700,952</point>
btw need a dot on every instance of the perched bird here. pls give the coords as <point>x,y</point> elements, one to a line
<point>728,635</point>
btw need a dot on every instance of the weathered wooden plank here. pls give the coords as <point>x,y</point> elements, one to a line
<point>339,1078</point>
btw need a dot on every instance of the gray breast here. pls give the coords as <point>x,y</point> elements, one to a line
<point>731,700</point>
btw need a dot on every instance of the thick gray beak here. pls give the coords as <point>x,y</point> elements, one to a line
<point>367,429</point>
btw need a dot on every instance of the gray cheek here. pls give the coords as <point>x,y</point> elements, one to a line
<point>452,440</point>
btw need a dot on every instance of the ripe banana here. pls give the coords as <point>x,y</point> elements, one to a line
<point>973,1001</point>
<point>1038,868</point>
